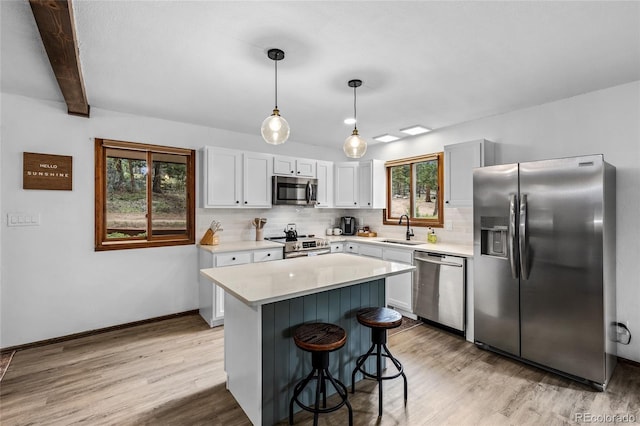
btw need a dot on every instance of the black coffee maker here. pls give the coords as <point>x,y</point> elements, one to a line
<point>348,225</point>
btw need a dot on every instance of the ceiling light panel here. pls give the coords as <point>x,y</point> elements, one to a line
<point>386,138</point>
<point>415,130</point>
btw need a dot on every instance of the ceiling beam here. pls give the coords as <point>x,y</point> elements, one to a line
<point>55,22</point>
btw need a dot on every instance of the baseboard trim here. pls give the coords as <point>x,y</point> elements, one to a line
<point>96,331</point>
<point>629,361</point>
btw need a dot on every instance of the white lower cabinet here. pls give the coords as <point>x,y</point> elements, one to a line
<point>350,247</point>
<point>211,297</point>
<point>337,247</point>
<point>229,259</point>
<point>371,251</point>
<point>400,287</point>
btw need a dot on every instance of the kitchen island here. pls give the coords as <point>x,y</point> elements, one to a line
<point>265,302</point>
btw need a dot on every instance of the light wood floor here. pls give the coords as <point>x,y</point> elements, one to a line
<point>171,373</point>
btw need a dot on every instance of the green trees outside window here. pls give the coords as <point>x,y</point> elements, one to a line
<point>145,195</point>
<point>414,188</point>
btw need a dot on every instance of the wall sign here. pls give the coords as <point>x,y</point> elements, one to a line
<point>46,171</point>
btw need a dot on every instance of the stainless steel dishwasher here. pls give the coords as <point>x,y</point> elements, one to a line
<point>439,289</point>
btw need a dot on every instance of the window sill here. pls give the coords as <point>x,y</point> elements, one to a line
<point>125,245</point>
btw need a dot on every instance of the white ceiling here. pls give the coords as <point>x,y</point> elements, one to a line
<point>429,63</point>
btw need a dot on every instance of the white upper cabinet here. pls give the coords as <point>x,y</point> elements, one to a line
<point>257,180</point>
<point>360,184</point>
<point>221,177</point>
<point>346,185</point>
<point>459,161</point>
<point>325,184</point>
<point>232,178</point>
<point>290,166</point>
<point>372,186</point>
<point>306,168</point>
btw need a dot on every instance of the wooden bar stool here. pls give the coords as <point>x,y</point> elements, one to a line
<point>379,320</point>
<point>320,339</point>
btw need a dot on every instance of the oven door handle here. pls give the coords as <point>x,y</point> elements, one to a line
<point>293,254</point>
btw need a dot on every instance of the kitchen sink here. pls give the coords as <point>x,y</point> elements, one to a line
<point>403,242</point>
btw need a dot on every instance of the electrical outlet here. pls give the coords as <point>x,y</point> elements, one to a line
<point>23,219</point>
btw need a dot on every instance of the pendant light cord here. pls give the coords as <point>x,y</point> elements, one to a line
<point>355,117</point>
<point>276,62</point>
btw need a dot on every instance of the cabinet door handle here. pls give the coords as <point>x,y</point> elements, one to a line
<point>245,202</point>
<point>355,202</point>
<point>291,171</point>
<point>237,202</point>
<point>298,171</point>
<point>446,202</point>
<point>268,254</point>
<point>233,258</point>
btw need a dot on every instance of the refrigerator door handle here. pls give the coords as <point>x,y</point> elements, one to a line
<point>511,239</point>
<point>524,246</point>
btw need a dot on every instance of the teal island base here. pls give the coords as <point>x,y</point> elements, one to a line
<point>262,362</point>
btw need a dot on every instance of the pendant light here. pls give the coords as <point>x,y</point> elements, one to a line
<point>354,146</point>
<point>275,129</point>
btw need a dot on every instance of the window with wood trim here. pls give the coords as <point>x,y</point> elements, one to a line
<point>415,188</point>
<point>145,195</point>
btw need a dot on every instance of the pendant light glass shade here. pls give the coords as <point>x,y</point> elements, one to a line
<point>354,146</point>
<point>275,129</point>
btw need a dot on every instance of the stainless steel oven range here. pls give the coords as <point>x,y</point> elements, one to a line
<point>302,245</point>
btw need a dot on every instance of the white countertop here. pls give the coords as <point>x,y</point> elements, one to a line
<point>464,250</point>
<point>241,246</point>
<point>266,282</point>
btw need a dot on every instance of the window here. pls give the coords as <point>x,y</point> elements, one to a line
<point>145,195</point>
<point>414,188</point>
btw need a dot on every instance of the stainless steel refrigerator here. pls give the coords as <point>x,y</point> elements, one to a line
<point>544,264</point>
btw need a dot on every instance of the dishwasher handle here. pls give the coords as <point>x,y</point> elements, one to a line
<point>437,262</point>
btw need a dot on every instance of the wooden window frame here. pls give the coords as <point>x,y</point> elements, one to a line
<point>415,221</point>
<point>101,241</point>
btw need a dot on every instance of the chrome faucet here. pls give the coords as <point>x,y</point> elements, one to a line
<point>409,231</point>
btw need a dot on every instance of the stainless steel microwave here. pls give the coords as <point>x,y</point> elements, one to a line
<point>294,191</point>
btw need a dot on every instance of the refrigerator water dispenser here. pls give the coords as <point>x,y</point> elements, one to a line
<point>493,237</point>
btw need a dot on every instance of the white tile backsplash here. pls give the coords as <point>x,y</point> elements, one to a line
<point>237,223</point>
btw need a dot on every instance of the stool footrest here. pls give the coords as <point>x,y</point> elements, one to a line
<point>375,376</point>
<point>378,346</point>
<point>340,388</point>
<point>321,376</point>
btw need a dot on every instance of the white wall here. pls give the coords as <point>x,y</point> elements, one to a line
<point>602,122</point>
<point>54,284</point>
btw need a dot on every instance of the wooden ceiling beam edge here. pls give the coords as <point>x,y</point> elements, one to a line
<point>56,25</point>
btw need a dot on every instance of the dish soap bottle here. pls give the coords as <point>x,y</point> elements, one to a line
<point>431,236</point>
